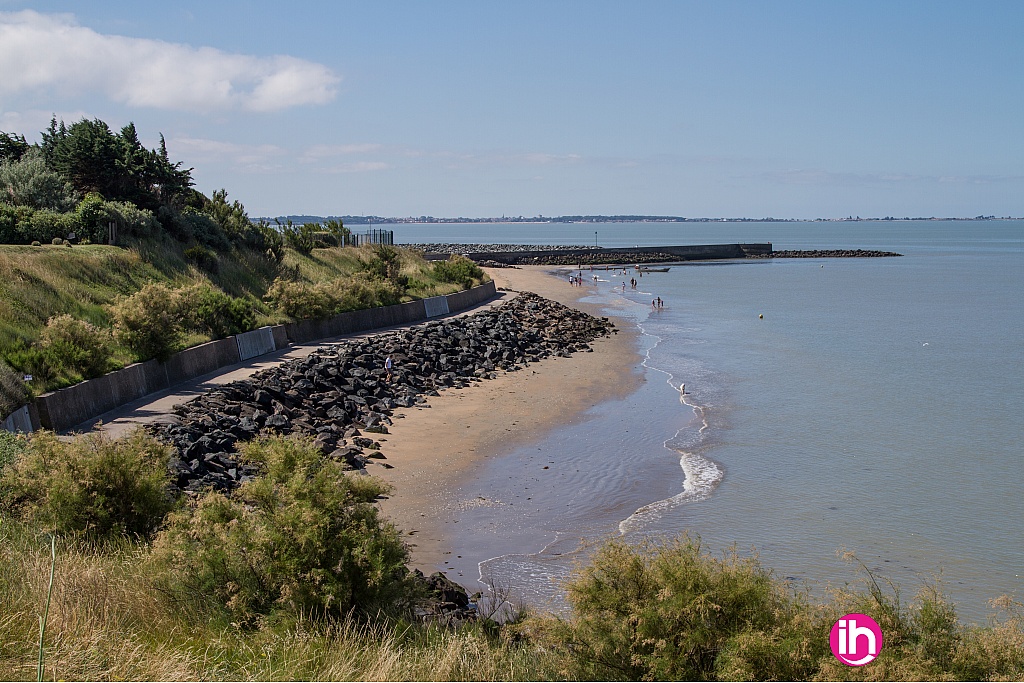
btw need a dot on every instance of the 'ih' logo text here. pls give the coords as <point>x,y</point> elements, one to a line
<point>856,639</point>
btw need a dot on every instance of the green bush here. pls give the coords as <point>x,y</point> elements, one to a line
<point>355,293</point>
<point>28,182</point>
<point>301,300</point>
<point>13,392</point>
<point>202,257</point>
<point>11,447</point>
<point>670,612</point>
<point>92,486</point>
<point>149,322</point>
<point>75,347</point>
<point>385,264</point>
<point>303,538</point>
<point>458,269</point>
<point>322,300</point>
<point>210,310</point>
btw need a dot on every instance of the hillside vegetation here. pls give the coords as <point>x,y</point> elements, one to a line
<point>296,576</point>
<point>183,268</point>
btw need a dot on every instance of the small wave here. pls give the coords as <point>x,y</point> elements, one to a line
<point>702,476</point>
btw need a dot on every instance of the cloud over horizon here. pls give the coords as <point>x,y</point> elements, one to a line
<point>52,51</point>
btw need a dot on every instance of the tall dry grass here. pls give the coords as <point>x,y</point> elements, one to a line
<point>107,623</point>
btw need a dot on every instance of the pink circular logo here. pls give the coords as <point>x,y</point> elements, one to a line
<point>856,639</point>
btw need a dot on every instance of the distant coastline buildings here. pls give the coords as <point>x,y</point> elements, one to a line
<point>384,220</point>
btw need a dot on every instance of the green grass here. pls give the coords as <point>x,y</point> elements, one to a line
<point>39,282</point>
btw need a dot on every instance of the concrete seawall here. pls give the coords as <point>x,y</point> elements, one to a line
<point>65,408</point>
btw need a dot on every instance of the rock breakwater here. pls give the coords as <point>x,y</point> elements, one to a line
<point>341,396</point>
<point>827,253</point>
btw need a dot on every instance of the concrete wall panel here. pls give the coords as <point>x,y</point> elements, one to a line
<point>201,359</point>
<point>255,343</point>
<point>435,306</point>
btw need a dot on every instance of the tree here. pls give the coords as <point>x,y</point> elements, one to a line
<point>117,166</point>
<point>28,182</point>
<point>231,217</point>
<point>86,153</point>
<point>336,229</point>
<point>12,147</point>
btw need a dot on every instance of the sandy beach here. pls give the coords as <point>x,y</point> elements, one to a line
<point>433,450</point>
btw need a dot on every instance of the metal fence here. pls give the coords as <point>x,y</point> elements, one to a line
<point>373,236</point>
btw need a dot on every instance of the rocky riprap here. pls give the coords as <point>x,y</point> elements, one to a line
<point>339,397</point>
<point>595,258</point>
<point>827,253</point>
<point>530,257</point>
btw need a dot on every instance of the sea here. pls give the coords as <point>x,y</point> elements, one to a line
<point>839,415</point>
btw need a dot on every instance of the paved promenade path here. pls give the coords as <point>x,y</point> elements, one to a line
<point>157,407</point>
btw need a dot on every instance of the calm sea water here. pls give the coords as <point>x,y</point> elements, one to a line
<point>877,407</point>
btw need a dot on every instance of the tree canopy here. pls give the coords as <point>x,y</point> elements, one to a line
<point>115,165</point>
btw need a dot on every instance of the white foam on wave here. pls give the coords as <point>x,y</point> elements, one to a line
<point>701,475</point>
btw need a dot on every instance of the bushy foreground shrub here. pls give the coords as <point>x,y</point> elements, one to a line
<point>92,486</point>
<point>304,538</point>
<point>149,322</point>
<point>209,310</point>
<point>670,612</point>
<point>459,270</point>
<point>75,348</point>
<point>302,300</point>
<point>152,322</point>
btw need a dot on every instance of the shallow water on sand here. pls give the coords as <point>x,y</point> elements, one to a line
<point>876,408</point>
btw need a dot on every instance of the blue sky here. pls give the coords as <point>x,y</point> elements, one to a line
<point>724,109</point>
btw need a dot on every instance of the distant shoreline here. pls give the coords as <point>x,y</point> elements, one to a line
<point>542,220</point>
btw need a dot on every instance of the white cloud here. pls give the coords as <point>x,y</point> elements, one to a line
<point>249,157</point>
<point>359,167</point>
<point>317,152</point>
<point>51,51</point>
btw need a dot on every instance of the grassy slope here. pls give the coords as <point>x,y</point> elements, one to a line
<point>37,283</point>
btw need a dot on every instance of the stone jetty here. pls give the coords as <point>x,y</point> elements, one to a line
<point>340,395</point>
<point>827,253</point>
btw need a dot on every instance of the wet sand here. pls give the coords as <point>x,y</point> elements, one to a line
<point>433,450</point>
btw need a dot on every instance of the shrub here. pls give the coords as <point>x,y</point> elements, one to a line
<point>56,241</point>
<point>149,322</point>
<point>300,300</point>
<point>28,182</point>
<point>385,264</point>
<point>458,269</point>
<point>41,224</point>
<point>13,393</point>
<point>210,310</point>
<point>72,346</point>
<point>130,220</point>
<point>668,612</point>
<point>11,447</point>
<point>36,243</point>
<point>355,293</point>
<point>303,538</point>
<point>203,257</point>
<point>92,486</point>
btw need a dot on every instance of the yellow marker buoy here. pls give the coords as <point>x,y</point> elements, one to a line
<point>761,316</point>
